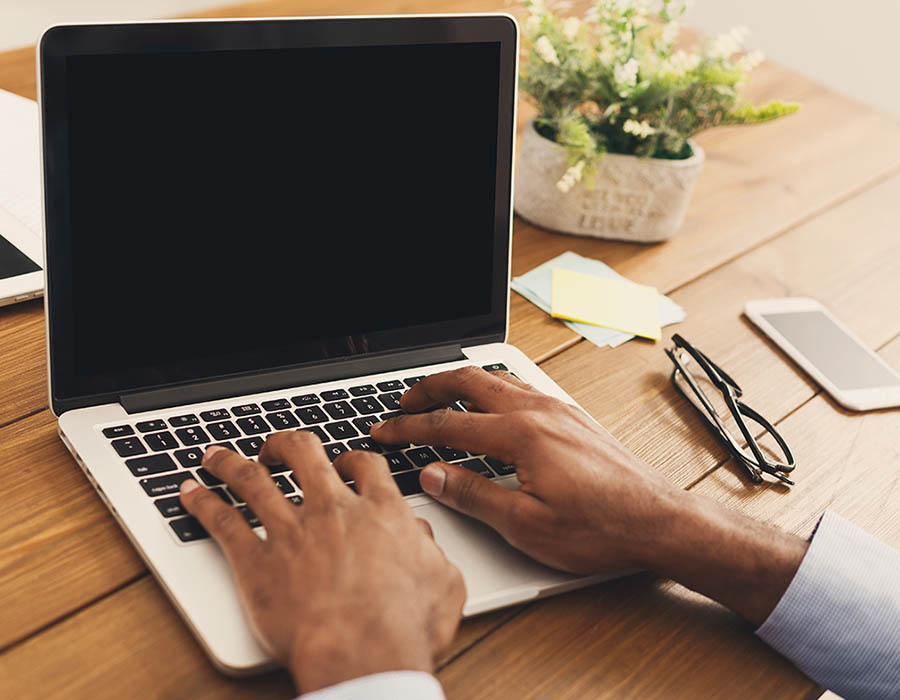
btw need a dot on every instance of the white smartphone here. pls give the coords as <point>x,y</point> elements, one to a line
<point>827,351</point>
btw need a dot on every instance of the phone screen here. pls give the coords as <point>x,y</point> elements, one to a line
<point>835,354</point>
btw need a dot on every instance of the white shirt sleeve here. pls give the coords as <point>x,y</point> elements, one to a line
<point>839,619</point>
<point>393,685</point>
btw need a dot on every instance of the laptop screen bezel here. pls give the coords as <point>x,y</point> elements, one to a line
<point>67,389</point>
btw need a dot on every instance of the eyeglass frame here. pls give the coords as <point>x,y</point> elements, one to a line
<point>731,393</point>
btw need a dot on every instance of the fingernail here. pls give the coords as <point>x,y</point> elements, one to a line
<point>189,485</point>
<point>210,451</point>
<point>433,480</point>
<point>377,426</point>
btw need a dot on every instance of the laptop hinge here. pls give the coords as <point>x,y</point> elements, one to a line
<point>156,399</point>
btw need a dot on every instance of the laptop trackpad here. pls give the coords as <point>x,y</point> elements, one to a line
<point>494,572</point>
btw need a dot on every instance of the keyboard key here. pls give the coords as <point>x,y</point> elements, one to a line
<point>408,483</point>
<point>364,390</point>
<point>366,405</point>
<point>333,449</point>
<point>179,421</point>
<point>398,462</point>
<point>190,457</point>
<point>253,425</point>
<point>282,420</point>
<point>126,447</point>
<point>226,430</point>
<point>365,423</point>
<point>318,432</point>
<point>192,436</point>
<point>413,380</point>
<point>247,409</point>
<point>276,405</point>
<point>338,410</point>
<point>171,507</point>
<point>305,399</point>
<point>118,431</point>
<point>296,499</point>
<point>207,478</point>
<point>151,464</point>
<point>341,430</point>
<point>499,467</point>
<point>365,443</point>
<point>249,516</point>
<point>165,485</point>
<point>161,441</point>
<point>311,415</point>
<point>391,401</point>
<point>334,395</point>
<point>448,454</point>
<point>277,468</point>
<point>389,415</point>
<point>393,385</point>
<point>151,425</point>
<point>216,414</point>
<point>188,529</point>
<point>250,446</point>
<point>422,456</point>
<point>226,445</point>
<point>477,466</point>
<point>285,485</point>
<point>495,367</point>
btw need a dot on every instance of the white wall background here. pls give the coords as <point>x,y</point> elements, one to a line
<point>852,47</point>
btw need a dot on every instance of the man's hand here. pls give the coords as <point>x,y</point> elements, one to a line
<point>586,504</point>
<point>345,584</point>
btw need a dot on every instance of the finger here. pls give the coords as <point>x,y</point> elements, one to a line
<point>253,484</point>
<point>507,377</point>
<point>471,494</point>
<point>481,433</point>
<point>471,384</point>
<point>425,525</point>
<point>302,451</point>
<point>370,472</point>
<point>225,524</point>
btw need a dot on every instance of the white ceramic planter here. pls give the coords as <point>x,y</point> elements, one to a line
<point>633,199</point>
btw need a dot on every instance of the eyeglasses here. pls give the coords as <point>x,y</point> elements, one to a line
<point>750,457</point>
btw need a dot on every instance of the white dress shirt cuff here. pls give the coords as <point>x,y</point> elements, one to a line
<point>839,619</point>
<point>393,685</point>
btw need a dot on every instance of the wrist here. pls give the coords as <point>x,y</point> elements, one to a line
<point>739,562</point>
<point>326,662</point>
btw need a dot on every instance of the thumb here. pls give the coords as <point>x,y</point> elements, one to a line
<point>468,492</point>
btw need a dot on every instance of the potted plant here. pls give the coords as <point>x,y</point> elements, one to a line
<point>610,152</point>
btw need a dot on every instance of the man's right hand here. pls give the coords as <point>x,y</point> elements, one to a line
<point>586,503</point>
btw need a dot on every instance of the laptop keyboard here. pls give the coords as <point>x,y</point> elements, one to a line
<point>162,453</point>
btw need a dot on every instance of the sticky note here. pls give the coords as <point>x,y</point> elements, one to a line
<point>611,303</point>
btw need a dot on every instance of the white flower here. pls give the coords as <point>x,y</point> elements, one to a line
<point>532,23</point>
<point>545,50</point>
<point>751,60</point>
<point>571,27</point>
<point>571,176</point>
<point>640,129</point>
<point>625,75</point>
<point>679,64</point>
<point>725,45</point>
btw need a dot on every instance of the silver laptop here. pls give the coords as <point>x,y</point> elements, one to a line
<point>264,225</point>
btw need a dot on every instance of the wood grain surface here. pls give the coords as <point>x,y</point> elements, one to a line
<point>806,205</point>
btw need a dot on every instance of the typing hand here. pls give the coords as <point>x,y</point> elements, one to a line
<point>344,585</point>
<point>586,503</point>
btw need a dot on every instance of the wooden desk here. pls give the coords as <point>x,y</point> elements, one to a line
<point>807,205</point>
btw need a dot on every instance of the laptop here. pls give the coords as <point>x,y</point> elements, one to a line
<point>275,224</point>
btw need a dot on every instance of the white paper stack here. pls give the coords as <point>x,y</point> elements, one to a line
<point>536,286</point>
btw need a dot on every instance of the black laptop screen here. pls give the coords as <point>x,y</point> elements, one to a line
<point>237,210</point>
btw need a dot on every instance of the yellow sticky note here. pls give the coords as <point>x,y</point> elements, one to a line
<point>611,303</point>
